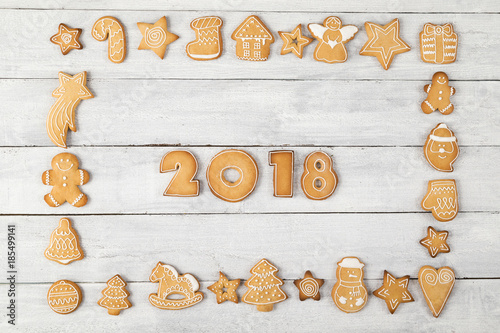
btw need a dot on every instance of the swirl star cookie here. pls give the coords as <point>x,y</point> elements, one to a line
<point>309,287</point>
<point>156,37</point>
<point>67,39</point>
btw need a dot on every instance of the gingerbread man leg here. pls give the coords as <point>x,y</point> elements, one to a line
<point>54,198</point>
<point>427,107</point>
<point>76,197</point>
<point>446,110</point>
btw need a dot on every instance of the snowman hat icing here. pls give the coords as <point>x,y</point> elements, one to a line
<point>351,262</point>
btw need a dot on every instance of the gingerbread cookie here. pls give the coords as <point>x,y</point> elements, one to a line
<point>309,287</point>
<point>436,286</point>
<point>438,95</point>
<point>332,37</point>
<point>349,292</point>
<point>224,289</point>
<point>435,242</point>
<point>67,39</point>
<point>64,296</point>
<point>438,43</point>
<point>115,296</point>
<point>65,177</point>
<point>294,41</point>
<point>64,246</point>
<point>441,148</point>
<point>240,161</point>
<point>319,180</point>
<point>394,291</point>
<point>156,37</point>
<point>283,162</point>
<point>253,39</point>
<point>384,42</point>
<point>264,287</point>
<point>208,43</point>
<point>441,199</point>
<point>185,166</point>
<point>71,90</point>
<point>170,282</point>
<point>110,28</point>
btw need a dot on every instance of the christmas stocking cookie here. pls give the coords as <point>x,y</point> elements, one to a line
<point>208,43</point>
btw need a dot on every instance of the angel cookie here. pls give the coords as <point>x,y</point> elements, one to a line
<point>441,148</point>
<point>438,95</point>
<point>331,37</point>
<point>65,177</point>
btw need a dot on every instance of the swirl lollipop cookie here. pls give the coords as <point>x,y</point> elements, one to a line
<point>309,287</point>
<point>156,37</point>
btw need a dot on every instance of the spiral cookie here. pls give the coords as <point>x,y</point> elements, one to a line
<point>309,287</point>
<point>156,37</point>
<point>110,28</point>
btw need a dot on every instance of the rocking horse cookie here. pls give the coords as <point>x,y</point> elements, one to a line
<point>170,282</point>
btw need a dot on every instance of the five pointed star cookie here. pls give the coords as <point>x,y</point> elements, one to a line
<point>294,41</point>
<point>309,287</point>
<point>394,291</point>
<point>67,38</point>
<point>225,289</point>
<point>384,42</point>
<point>435,242</point>
<point>156,37</point>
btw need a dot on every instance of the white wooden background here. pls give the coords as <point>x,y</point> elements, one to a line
<point>367,118</point>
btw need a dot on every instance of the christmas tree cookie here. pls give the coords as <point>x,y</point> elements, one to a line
<point>115,296</point>
<point>64,245</point>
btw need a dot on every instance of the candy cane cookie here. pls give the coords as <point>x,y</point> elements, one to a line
<point>110,28</point>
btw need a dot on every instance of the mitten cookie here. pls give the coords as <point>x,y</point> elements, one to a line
<point>435,242</point>
<point>441,199</point>
<point>438,95</point>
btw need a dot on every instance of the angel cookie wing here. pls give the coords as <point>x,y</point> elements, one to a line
<point>348,32</point>
<point>317,30</point>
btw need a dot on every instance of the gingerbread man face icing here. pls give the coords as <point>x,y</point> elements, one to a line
<point>349,292</point>
<point>438,95</point>
<point>65,177</point>
<point>441,148</point>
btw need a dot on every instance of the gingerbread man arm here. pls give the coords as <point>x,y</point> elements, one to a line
<point>427,88</point>
<point>452,91</point>
<point>48,177</point>
<point>84,176</point>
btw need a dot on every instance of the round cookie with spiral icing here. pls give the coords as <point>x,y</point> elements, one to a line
<point>309,287</point>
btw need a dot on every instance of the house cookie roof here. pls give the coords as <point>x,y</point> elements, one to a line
<point>252,27</point>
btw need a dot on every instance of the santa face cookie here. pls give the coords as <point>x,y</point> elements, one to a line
<point>438,95</point>
<point>441,148</point>
<point>349,292</point>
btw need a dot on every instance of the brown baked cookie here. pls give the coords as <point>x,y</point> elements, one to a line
<point>438,95</point>
<point>435,242</point>
<point>309,287</point>
<point>224,289</point>
<point>436,285</point>
<point>394,291</point>
<point>67,39</point>
<point>64,296</point>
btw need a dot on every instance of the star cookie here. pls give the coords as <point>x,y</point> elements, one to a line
<point>294,41</point>
<point>67,39</point>
<point>225,289</point>
<point>394,291</point>
<point>435,242</point>
<point>156,37</point>
<point>384,42</point>
<point>309,287</point>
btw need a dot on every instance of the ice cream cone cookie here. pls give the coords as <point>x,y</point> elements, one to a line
<point>441,148</point>
<point>156,37</point>
<point>438,95</point>
<point>332,37</point>
<point>208,43</point>
<point>67,39</point>
<point>64,247</point>
<point>394,291</point>
<point>294,41</point>
<point>349,292</point>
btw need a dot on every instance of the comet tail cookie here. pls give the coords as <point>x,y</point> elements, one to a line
<point>108,27</point>
<point>115,296</point>
<point>438,95</point>
<point>441,199</point>
<point>156,37</point>
<point>253,39</point>
<point>441,148</point>
<point>436,285</point>
<point>208,43</point>
<point>349,292</point>
<point>64,296</point>
<point>309,287</point>
<point>67,39</point>
<point>394,291</point>
<point>64,247</point>
<point>438,43</point>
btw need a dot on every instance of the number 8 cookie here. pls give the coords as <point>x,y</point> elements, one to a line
<point>240,161</point>
<point>319,180</point>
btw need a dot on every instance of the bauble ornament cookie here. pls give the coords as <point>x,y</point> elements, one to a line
<point>64,296</point>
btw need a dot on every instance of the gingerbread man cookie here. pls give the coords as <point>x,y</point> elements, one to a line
<point>225,289</point>
<point>441,148</point>
<point>309,287</point>
<point>438,95</point>
<point>65,177</point>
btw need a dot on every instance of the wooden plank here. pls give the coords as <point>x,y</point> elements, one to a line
<point>465,311</point>
<point>127,180</point>
<point>205,244</point>
<point>424,6</point>
<point>266,112</point>
<point>29,54</point>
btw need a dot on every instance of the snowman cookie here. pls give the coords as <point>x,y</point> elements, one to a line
<point>349,292</point>
<point>438,95</point>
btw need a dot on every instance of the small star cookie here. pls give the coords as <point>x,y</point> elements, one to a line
<point>156,37</point>
<point>225,289</point>
<point>67,39</point>
<point>309,287</point>
<point>394,291</point>
<point>294,41</point>
<point>435,242</point>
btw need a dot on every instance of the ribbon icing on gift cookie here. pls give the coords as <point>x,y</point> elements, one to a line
<point>349,292</point>
<point>208,43</point>
<point>441,199</point>
<point>435,242</point>
<point>64,245</point>
<point>115,296</point>
<point>438,95</point>
<point>309,287</point>
<point>331,38</point>
<point>156,37</point>
<point>384,42</point>
<point>394,291</point>
<point>110,28</point>
<point>171,283</point>
<point>67,39</point>
<point>64,296</point>
<point>441,148</point>
<point>438,43</point>
<point>65,177</point>
<point>71,90</point>
<point>436,285</point>
<point>253,39</point>
<point>294,41</point>
<point>225,289</point>
<point>264,287</point>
